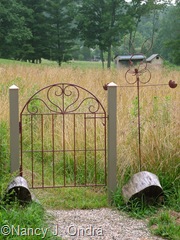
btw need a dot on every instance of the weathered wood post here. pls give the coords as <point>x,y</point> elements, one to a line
<point>14,127</point>
<point>112,140</point>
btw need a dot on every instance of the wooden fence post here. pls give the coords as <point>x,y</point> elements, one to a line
<point>14,127</point>
<point>112,140</point>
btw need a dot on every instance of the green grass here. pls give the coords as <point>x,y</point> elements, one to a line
<point>71,198</point>
<point>136,208</point>
<point>69,64</point>
<point>166,224</point>
<point>9,62</point>
<point>76,64</point>
<point>4,148</point>
<point>29,222</point>
<point>83,64</point>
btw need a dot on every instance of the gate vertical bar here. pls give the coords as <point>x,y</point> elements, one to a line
<point>32,150</point>
<point>75,167</point>
<point>14,127</point>
<point>95,151</point>
<point>42,147</point>
<point>112,140</point>
<point>85,150</point>
<point>53,148</point>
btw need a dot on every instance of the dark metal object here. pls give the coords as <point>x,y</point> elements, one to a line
<point>57,113</point>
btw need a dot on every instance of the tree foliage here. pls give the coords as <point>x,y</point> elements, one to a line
<point>60,16</point>
<point>13,29</point>
<point>37,46</point>
<point>168,37</point>
<point>55,29</point>
<point>102,23</point>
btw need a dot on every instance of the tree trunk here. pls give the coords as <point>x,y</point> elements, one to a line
<point>130,43</point>
<point>102,58</point>
<point>109,57</point>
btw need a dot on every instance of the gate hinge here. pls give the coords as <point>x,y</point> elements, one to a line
<point>20,127</point>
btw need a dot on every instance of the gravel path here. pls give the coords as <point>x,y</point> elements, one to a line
<point>96,224</point>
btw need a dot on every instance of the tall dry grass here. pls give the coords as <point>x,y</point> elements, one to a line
<point>159,110</point>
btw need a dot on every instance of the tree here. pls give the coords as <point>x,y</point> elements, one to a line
<point>60,15</point>
<point>37,23</point>
<point>168,37</point>
<point>102,23</point>
<point>13,30</point>
<point>105,22</point>
<point>136,10</point>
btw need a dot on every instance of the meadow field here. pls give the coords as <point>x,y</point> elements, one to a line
<point>159,112</point>
<point>159,106</point>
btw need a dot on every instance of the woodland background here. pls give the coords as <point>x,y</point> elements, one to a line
<point>63,30</point>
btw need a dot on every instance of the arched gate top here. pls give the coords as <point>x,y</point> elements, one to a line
<point>63,98</point>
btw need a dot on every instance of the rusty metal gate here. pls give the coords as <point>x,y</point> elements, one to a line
<point>63,138</point>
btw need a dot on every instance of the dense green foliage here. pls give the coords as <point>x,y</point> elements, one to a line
<point>102,24</point>
<point>59,30</point>
<point>60,16</point>
<point>168,36</point>
<point>14,33</point>
<point>29,222</point>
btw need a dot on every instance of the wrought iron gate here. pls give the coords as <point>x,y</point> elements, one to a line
<point>63,138</point>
